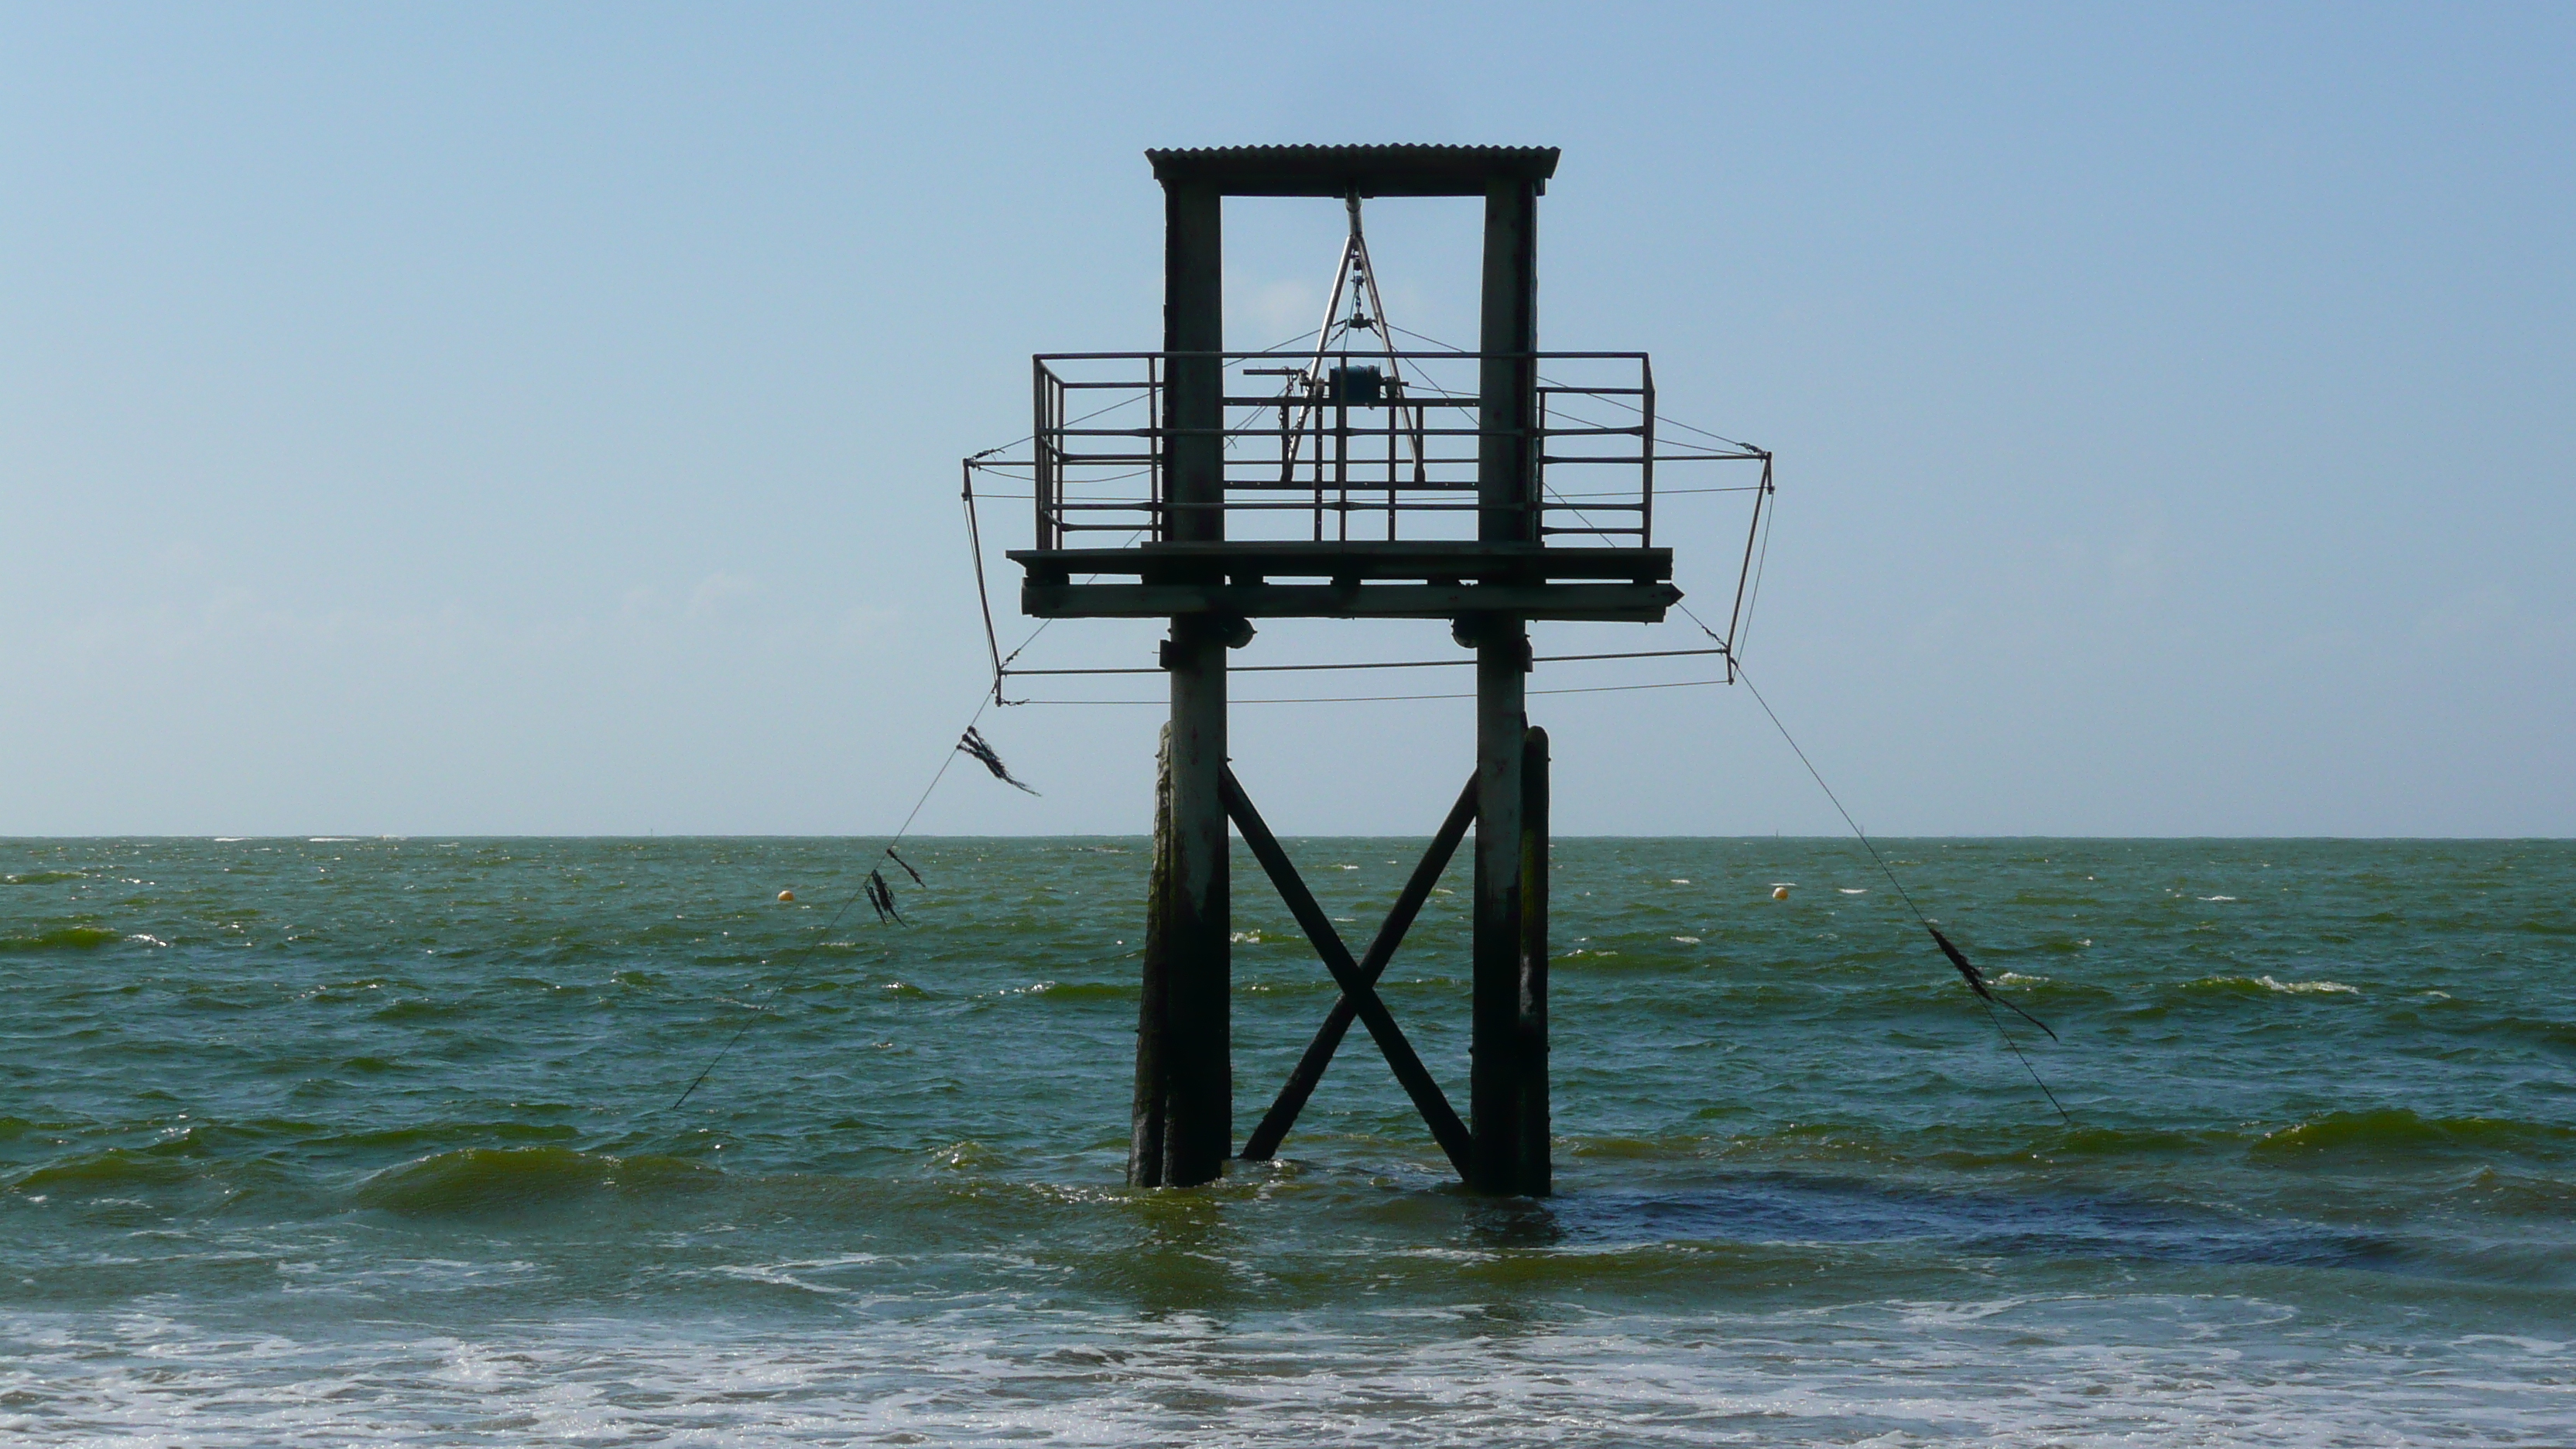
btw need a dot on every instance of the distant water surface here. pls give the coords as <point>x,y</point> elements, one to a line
<point>369,1141</point>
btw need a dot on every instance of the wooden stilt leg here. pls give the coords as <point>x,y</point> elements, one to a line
<point>1197,1054</point>
<point>1494,1090</point>
<point>1537,1165</point>
<point>1145,1140</point>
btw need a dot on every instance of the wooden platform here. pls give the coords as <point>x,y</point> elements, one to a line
<point>1438,580</point>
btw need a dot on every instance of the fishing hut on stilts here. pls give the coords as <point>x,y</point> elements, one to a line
<point>1354,480</point>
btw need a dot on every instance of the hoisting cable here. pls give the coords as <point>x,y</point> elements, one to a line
<point>873,890</point>
<point>1739,622</point>
<point>975,545</point>
<point>868,891</point>
<point>1968,971</point>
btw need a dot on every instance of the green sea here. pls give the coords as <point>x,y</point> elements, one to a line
<point>335,1141</point>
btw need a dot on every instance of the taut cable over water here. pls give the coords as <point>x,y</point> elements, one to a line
<point>874,890</point>
<point>1968,971</point>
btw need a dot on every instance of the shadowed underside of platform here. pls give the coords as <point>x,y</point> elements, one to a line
<point>1423,580</point>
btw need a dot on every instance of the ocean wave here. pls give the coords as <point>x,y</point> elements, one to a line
<point>1084,991</point>
<point>63,938</point>
<point>42,877</point>
<point>2520,1194</point>
<point>2011,1369</point>
<point>479,1180</point>
<point>2256,985</point>
<point>2555,1035</point>
<point>2401,1132</point>
<point>467,1133</point>
<point>419,1008</point>
<point>115,1170</point>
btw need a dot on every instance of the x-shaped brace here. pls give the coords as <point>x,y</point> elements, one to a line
<point>1358,979</point>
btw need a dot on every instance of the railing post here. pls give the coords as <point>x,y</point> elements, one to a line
<point>1038,427</point>
<point>1157,524</point>
<point>1646,482</point>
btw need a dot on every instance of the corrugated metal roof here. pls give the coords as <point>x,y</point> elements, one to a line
<point>1338,170</point>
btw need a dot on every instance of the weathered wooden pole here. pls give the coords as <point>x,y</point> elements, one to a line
<point>1507,512</point>
<point>1537,1164</point>
<point>1494,1075</point>
<point>1197,1054</point>
<point>1153,1016</point>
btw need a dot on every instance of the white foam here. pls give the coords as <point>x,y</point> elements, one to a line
<point>2304,988</point>
<point>2076,1370</point>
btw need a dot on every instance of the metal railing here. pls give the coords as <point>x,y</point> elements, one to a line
<point>1345,446</point>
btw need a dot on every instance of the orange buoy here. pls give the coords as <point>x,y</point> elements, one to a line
<point>786,896</point>
<point>1779,893</point>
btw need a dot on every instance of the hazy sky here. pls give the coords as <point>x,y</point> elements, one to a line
<point>545,419</point>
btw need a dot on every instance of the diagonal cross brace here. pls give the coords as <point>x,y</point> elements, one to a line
<point>1356,988</point>
<point>1265,1139</point>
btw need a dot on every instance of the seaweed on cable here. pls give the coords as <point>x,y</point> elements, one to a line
<point>1977,979</point>
<point>907,867</point>
<point>974,744</point>
<point>881,899</point>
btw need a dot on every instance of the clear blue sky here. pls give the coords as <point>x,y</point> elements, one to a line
<point>544,419</point>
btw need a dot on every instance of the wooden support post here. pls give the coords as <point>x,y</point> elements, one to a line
<point>1416,1078</point>
<point>1507,488</point>
<point>1153,1088</point>
<point>1494,1084</point>
<point>1265,1139</point>
<point>1197,1051</point>
<point>1537,1159</point>
<point>1507,375</point>
<point>1193,421</point>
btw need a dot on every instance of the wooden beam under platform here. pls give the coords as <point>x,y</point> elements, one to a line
<point>1249,560</point>
<point>1618,603</point>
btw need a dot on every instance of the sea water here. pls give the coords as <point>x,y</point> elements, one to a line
<point>327,1141</point>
